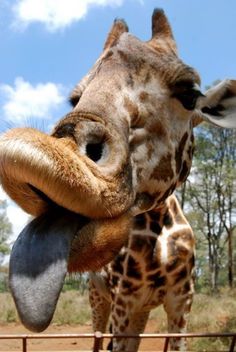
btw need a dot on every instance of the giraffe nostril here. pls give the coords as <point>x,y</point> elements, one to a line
<point>95,151</point>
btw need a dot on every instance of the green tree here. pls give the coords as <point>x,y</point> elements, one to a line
<point>211,192</point>
<point>5,231</point>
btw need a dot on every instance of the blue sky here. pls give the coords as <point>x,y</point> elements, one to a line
<point>46,46</point>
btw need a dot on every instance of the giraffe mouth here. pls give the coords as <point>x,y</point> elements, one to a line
<point>52,244</point>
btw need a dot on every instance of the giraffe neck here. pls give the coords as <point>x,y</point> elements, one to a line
<point>155,267</point>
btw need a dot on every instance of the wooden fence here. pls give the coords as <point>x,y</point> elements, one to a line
<point>98,336</point>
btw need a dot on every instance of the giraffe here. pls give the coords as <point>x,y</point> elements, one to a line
<point>121,151</point>
<point>156,266</point>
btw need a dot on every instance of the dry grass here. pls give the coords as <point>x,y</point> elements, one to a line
<point>7,309</point>
<point>214,313</point>
<point>209,314</point>
<point>72,309</point>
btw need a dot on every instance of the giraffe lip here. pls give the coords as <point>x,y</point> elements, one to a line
<point>49,204</point>
<point>43,196</point>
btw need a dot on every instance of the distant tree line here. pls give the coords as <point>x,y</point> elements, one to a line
<point>5,231</point>
<point>209,201</point>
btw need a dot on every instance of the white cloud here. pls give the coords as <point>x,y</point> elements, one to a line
<point>24,101</point>
<point>56,14</point>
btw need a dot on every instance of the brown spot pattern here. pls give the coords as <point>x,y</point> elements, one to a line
<point>123,55</point>
<point>167,220</point>
<point>158,129</point>
<point>143,96</point>
<point>163,171</point>
<point>179,152</point>
<point>132,109</point>
<point>184,171</point>
<point>173,264</point>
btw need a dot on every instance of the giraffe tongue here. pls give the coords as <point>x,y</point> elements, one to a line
<point>38,266</point>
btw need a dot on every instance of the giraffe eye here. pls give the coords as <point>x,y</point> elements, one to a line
<point>189,99</point>
<point>74,99</point>
<point>75,96</point>
<point>187,92</point>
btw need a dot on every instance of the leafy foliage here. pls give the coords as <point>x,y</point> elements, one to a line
<point>210,201</point>
<point>5,231</point>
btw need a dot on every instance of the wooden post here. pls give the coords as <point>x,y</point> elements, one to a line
<point>24,344</point>
<point>97,341</point>
<point>166,344</point>
<point>232,344</point>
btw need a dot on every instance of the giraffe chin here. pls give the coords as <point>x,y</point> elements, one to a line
<point>49,246</point>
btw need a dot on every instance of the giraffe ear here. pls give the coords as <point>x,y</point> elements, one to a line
<point>218,106</point>
<point>119,27</point>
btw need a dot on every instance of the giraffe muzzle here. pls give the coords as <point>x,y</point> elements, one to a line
<point>34,161</point>
<point>82,219</point>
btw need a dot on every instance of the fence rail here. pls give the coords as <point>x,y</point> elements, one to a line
<point>98,337</point>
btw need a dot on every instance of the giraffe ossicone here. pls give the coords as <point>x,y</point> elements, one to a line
<point>124,148</point>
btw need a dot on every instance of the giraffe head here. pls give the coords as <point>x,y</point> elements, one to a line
<point>122,150</point>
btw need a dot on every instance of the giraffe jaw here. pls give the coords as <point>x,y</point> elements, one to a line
<point>48,247</point>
